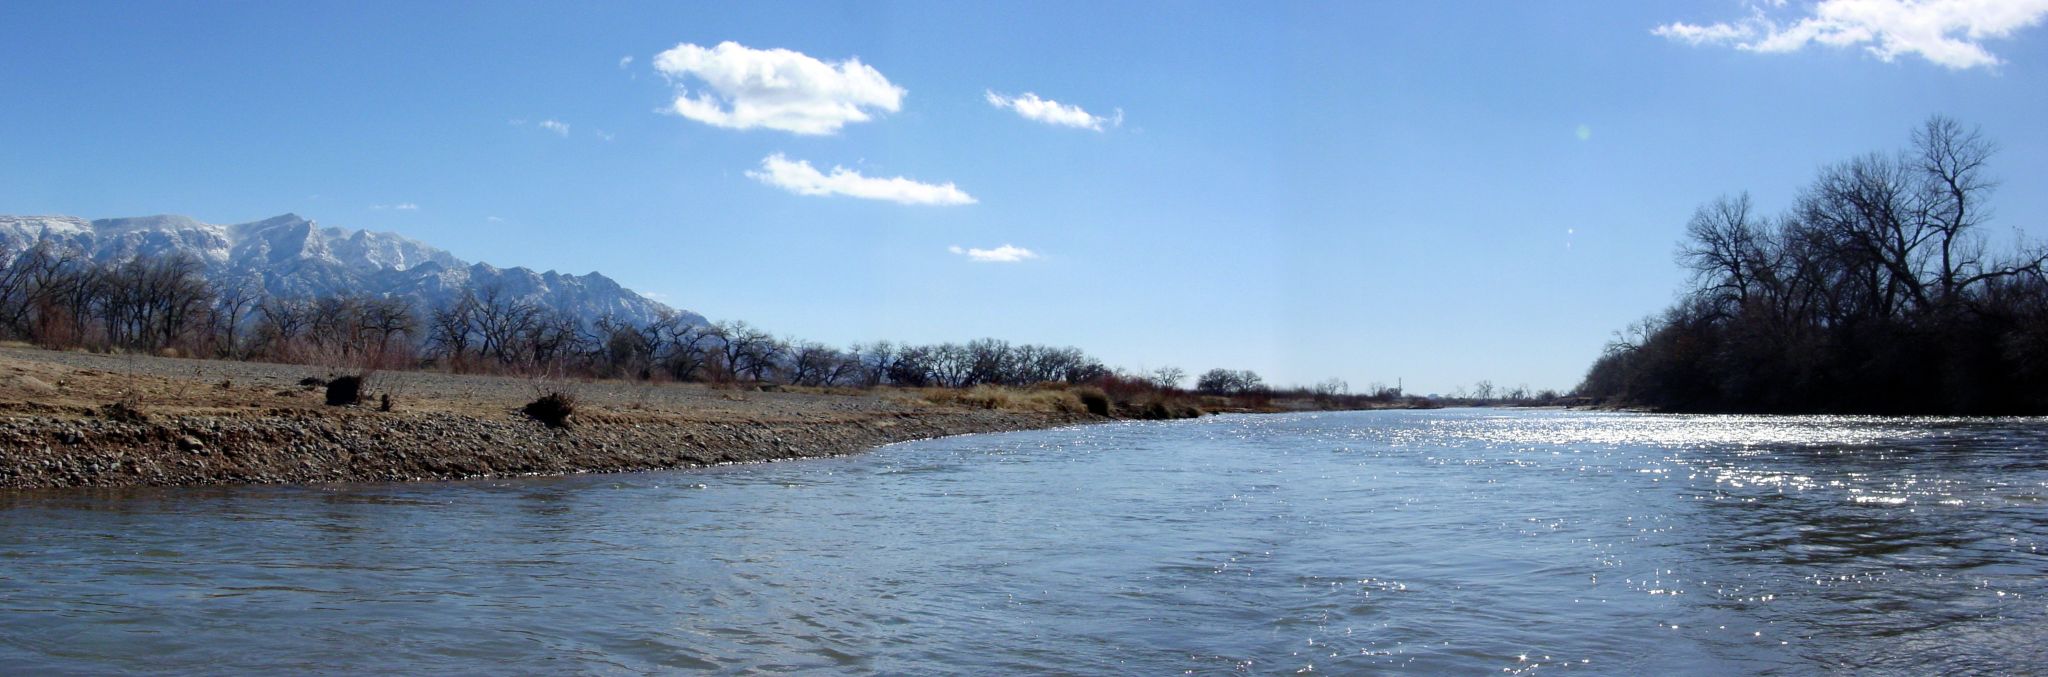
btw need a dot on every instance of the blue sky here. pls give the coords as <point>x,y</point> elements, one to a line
<point>1434,192</point>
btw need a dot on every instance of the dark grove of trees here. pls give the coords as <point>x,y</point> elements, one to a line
<point>62,299</point>
<point>1877,292</point>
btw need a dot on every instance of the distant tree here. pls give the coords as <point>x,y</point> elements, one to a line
<point>811,363</point>
<point>1329,388</point>
<point>1229,382</point>
<point>1169,378</point>
<point>236,301</point>
<point>744,351</point>
<point>872,361</point>
<point>1875,293</point>
<point>990,361</point>
<point>628,351</point>
<point>451,329</point>
<point>389,321</point>
<point>684,349</point>
<point>912,366</point>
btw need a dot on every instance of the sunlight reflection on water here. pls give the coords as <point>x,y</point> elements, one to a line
<point>1451,541</point>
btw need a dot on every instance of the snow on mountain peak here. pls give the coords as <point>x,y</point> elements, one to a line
<point>291,256</point>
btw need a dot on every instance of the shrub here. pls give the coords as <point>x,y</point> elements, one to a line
<point>552,409</point>
<point>1094,399</point>
<point>125,412</point>
<point>344,391</point>
<point>1062,401</point>
<point>985,397</point>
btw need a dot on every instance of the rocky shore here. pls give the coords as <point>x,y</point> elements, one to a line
<point>74,420</point>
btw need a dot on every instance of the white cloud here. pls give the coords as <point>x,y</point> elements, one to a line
<point>1052,112</point>
<point>556,126</point>
<point>744,88</point>
<point>1705,35</point>
<point>402,206</point>
<point>1004,254</point>
<point>494,219</point>
<point>1945,32</point>
<point>625,61</point>
<point>798,176</point>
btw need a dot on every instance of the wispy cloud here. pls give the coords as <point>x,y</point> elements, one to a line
<point>745,88</point>
<point>625,61</point>
<point>1946,32</point>
<point>494,219</point>
<point>798,176</point>
<point>402,206</point>
<point>557,126</point>
<point>1052,112</point>
<point>1004,254</point>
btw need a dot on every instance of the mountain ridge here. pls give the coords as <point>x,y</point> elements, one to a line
<point>290,256</point>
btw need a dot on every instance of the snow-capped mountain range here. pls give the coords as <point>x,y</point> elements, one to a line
<point>290,257</point>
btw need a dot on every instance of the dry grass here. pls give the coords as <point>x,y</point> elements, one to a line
<point>51,382</point>
<point>1060,398</point>
<point>827,390</point>
<point>1048,400</point>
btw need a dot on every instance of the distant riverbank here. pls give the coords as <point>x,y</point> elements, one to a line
<point>77,419</point>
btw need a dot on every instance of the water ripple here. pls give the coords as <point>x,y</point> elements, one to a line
<point>1459,541</point>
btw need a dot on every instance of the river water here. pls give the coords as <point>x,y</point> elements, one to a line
<point>1448,541</point>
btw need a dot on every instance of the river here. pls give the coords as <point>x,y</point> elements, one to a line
<point>1460,541</point>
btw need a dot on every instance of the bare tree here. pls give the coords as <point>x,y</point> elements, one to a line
<point>1951,163</point>
<point>685,348</point>
<point>1229,382</point>
<point>237,300</point>
<point>810,362</point>
<point>500,321</point>
<point>389,319</point>
<point>1724,248</point>
<point>1168,378</point>
<point>744,350</point>
<point>1483,390</point>
<point>1330,388</point>
<point>874,361</point>
<point>451,329</point>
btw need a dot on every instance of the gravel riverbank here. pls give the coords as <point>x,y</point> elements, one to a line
<point>74,419</point>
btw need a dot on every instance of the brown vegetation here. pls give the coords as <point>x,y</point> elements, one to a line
<point>552,409</point>
<point>61,299</point>
<point>344,391</point>
<point>78,419</point>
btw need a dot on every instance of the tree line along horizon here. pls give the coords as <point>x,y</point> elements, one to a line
<point>1877,291</point>
<point>59,298</point>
